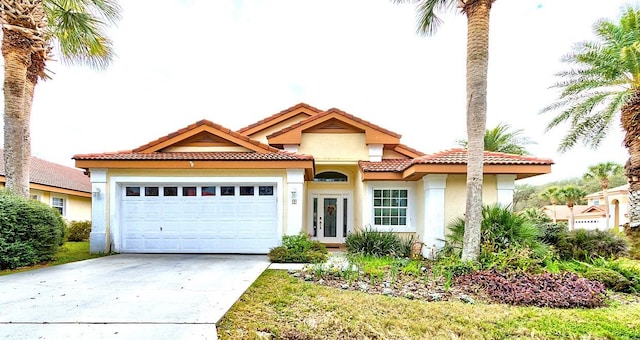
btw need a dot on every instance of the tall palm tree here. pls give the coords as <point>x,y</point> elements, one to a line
<point>602,172</point>
<point>550,194</point>
<point>31,31</point>
<point>502,139</point>
<point>602,83</point>
<point>477,12</point>
<point>571,195</point>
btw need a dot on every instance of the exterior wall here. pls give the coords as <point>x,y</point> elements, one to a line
<point>339,148</point>
<point>455,195</point>
<point>76,208</point>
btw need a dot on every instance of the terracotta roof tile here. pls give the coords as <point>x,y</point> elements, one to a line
<point>279,114</point>
<point>340,112</point>
<point>193,156</point>
<point>387,165</point>
<point>205,123</point>
<point>459,156</point>
<point>54,175</point>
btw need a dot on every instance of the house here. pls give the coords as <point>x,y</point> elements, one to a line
<point>64,188</point>
<point>618,208</point>
<point>562,213</point>
<point>207,189</point>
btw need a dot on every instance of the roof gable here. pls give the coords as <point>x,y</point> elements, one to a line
<point>334,121</point>
<point>301,109</point>
<point>204,133</point>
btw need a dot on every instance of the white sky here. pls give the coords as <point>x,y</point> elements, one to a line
<point>235,62</point>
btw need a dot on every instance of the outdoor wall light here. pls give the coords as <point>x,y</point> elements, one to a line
<point>96,192</point>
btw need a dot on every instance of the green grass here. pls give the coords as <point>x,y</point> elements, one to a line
<point>289,308</point>
<point>69,252</point>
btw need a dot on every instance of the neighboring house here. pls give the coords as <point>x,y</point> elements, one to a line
<point>207,189</point>
<point>593,214</point>
<point>64,188</point>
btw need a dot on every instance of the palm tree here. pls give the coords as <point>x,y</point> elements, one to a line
<point>477,12</point>
<point>501,139</point>
<point>31,31</point>
<point>550,194</point>
<point>571,195</point>
<point>602,172</point>
<point>603,81</point>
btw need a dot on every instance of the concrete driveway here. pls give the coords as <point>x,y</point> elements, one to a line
<point>126,296</point>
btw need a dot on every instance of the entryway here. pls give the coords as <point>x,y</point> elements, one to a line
<point>331,216</point>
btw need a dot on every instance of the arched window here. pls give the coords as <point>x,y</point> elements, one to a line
<point>330,176</point>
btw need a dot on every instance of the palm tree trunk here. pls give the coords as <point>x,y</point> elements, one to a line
<point>17,140</point>
<point>477,68</point>
<point>630,118</point>
<point>572,222</point>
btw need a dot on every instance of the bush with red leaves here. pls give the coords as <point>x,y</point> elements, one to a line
<point>564,290</point>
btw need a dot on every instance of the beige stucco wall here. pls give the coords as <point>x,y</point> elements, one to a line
<point>76,208</point>
<point>338,147</point>
<point>455,195</point>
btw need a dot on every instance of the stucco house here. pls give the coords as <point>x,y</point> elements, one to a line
<point>64,188</point>
<point>595,216</point>
<point>207,189</point>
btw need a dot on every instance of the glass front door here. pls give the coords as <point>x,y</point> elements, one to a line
<point>330,218</point>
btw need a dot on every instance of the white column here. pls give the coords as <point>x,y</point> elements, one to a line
<point>291,147</point>
<point>375,152</point>
<point>98,238</point>
<point>434,207</point>
<point>505,186</point>
<point>294,200</point>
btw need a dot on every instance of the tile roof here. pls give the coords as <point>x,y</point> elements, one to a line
<point>452,156</point>
<point>459,156</point>
<point>54,175</point>
<point>279,114</point>
<point>208,123</point>
<point>340,112</point>
<point>192,156</point>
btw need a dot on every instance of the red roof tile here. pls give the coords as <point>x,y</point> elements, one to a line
<point>204,122</point>
<point>279,114</point>
<point>459,156</point>
<point>54,175</point>
<point>193,156</point>
<point>452,156</point>
<point>340,112</point>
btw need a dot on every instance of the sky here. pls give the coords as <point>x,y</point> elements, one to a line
<point>236,62</point>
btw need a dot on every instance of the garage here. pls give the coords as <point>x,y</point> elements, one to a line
<point>198,217</point>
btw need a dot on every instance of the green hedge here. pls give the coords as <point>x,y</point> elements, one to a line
<point>30,231</point>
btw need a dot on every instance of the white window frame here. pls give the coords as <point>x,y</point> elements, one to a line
<point>411,201</point>
<point>63,207</point>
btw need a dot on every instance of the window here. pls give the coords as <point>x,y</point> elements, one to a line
<point>170,191</point>
<point>35,197</point>
<point>227,191</point>
<point>265,190</point>
<point>330,176</point>
<point>151,191</point>
<point>132,191</point>
<point>188,191</point>
<point>246,191</point>
<point>58,204</point>
<point>390,207</point>
<point>596,202</point>
<point>208,191</point>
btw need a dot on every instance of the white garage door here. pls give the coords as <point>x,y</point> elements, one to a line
<point>205,218</point>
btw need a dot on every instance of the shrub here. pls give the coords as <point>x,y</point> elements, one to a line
<point>610,278</point>
<point>78,231</point>
<point>551,233</point>
<point>563,290</point>
<point>298,249</point>
<point>501,230</point>
<point>585,245</point>
<point>30,231</point>
<point>377,243</point>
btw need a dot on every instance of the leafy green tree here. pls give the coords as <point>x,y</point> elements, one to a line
<point>477,13</point>
<point>570,195</point>
<point>502,139</point>
<point>31,31</point>
<point>550,194</point>
<point>602,172</point>
<point>601,84</point>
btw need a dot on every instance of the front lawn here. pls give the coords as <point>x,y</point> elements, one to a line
<point>69,252</point>
<point>289,308</point>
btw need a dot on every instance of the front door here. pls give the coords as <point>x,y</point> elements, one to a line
<point>330,217</point>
